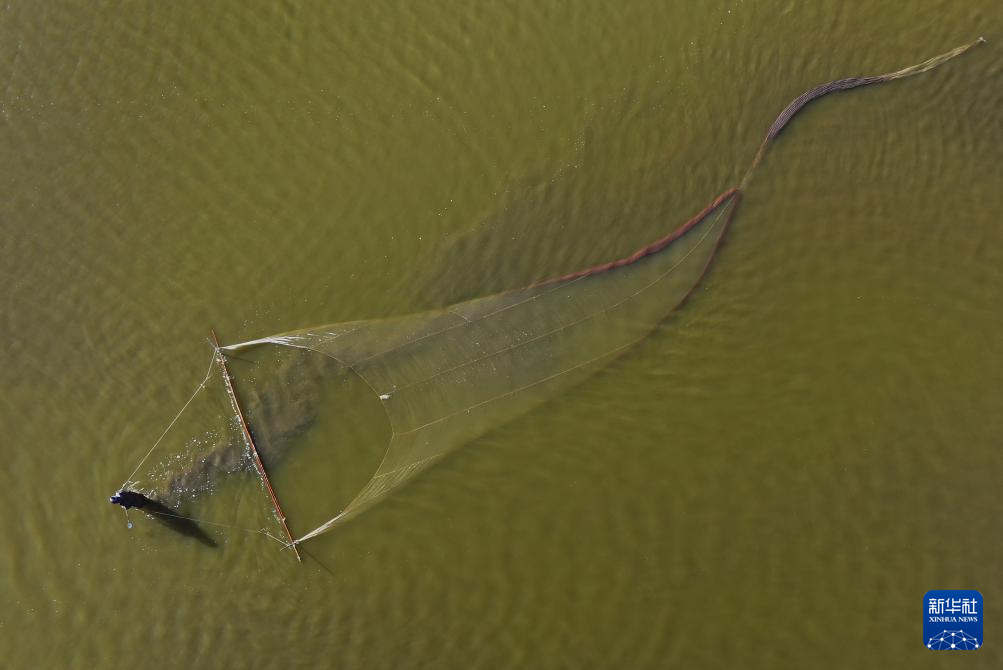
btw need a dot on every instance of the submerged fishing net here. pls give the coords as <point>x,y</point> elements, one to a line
<point>445,377</point>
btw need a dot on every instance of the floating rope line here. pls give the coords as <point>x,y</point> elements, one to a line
<point>201,386</point>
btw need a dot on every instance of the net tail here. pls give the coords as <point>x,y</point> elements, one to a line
<point>816,92</point>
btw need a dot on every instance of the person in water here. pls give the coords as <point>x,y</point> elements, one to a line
<point>130,499</point>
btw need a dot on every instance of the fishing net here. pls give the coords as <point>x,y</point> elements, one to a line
<point>444,377</point>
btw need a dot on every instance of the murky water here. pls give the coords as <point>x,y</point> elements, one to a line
<point>773,479</point>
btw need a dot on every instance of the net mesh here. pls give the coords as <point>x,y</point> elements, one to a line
<point>446,376</point>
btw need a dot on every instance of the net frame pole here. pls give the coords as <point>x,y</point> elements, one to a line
<point>250,441</point>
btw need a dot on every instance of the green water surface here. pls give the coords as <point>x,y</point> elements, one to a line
<point>772,480</point>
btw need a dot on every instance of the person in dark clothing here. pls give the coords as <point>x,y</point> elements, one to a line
<point>130,499</point>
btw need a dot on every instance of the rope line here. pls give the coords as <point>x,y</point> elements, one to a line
<point>260,531</point>
<point>201,386</point>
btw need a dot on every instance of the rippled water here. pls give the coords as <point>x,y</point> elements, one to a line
<point>773,479</point>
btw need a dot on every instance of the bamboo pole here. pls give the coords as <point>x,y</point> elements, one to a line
<point>250,441</point>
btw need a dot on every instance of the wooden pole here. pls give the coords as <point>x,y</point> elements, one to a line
<point>254,448</point>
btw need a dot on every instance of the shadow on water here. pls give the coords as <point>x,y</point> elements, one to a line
<point>179,524</point>
<point>162,514</point>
